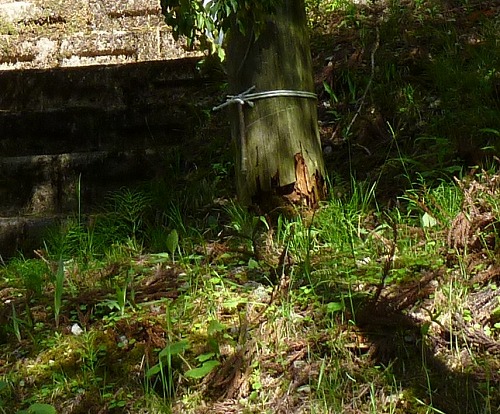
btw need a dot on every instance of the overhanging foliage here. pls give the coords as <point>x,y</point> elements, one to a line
<point>203,21</point>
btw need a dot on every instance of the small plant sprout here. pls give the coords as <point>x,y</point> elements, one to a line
<point>172,242</point>
<point>58,291</point>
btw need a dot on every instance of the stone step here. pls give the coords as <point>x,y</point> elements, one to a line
<point>108,86</point>
<point>84,49</point>
<point>41,34</point>
<point>71,121</point>
<point>100,107</point>
<point>24,234</point>
<point>92,129</point>
<point>47,184</point>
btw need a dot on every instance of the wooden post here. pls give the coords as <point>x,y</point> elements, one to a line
<point>279,157</point>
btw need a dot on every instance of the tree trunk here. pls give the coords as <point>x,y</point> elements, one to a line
<point>279,157</point>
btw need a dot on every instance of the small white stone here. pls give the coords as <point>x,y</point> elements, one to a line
<point>364,261</point>
<point>76,329</point>
<point>123,340</point>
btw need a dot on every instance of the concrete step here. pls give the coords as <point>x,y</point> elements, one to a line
<point>23,234</point>
<point>55,183</point>
<point>100,107</point>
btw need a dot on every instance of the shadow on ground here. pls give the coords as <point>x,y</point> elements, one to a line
<point>422,362</point>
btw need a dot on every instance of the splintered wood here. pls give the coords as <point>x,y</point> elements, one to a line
<point>305,192</point>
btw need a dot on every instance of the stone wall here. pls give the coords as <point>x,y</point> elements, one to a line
<point>61,33</point>
<point>93,94</point>
<point>106,123</point>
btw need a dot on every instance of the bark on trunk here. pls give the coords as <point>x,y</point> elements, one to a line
<point>279,157</point>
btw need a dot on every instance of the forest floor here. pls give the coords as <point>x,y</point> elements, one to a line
<point>176,299</point>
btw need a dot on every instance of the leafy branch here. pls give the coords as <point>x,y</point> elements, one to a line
<point>203,21</point>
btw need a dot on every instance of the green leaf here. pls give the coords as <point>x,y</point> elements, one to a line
<point>59,286</point>
<point>263,220</point>
<point>202,371</point>
<point>234,303</point>
<point>241,27</point>
<point>213,345</point>
<point>253,264</point>
<point>175,348</point>
<point>215,326</point>
<point>428,220</point>
<point>496,311</point>
<point>155,369</point>
<point>111,304</point>
<point>221,54</point>
<point>160,257</point>
<point>41,409</point>
<point>329,90</point>
<point>490,131</point>
<point>334,307</point>
<point>215,280</point>
<point>205,357</point>
<point>172,241</point>
<point>424,329</point>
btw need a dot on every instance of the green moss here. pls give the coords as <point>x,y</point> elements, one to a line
<point>7,28</point>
